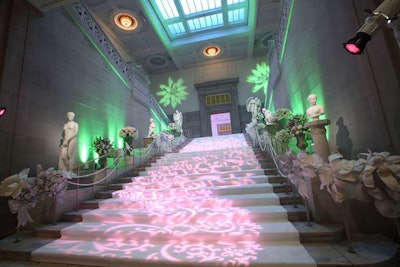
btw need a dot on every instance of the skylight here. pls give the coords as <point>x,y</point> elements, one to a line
<point>183,18</point>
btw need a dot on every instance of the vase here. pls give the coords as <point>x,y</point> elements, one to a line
<point>272,129</point>
<point>301,141</point>
<point>128,140</point>
<point>103,162</point>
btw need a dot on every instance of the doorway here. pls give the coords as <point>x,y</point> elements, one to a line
<point>218,90</point>
<point>221,124</point>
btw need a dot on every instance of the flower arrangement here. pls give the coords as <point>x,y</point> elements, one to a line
<point>102,146</point>
<point>298,130</point>
<point>283,136</point>
<point>52,182</point>
<point>283,114</point>
<point>25,191</point>
<point>171,128</point>
<point>260,121</point>
<point>129,131</point>
<point>296,125</point>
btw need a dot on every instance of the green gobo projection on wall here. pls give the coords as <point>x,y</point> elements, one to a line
<point>173,93</point>
<point>259,77</point>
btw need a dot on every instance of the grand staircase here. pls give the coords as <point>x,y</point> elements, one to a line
<point>218,202</point>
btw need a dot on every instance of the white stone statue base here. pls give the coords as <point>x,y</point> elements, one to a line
<point>318,133</point>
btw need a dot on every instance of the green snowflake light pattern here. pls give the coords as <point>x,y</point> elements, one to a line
<point>259,77</point>
<point>173,93</point>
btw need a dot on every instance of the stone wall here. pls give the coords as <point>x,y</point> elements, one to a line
<point>51,65</point>
<point>360,93</point>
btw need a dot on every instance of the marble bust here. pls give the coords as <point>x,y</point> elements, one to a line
<point>314,111</point>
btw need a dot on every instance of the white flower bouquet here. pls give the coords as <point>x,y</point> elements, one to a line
<point>25,191</point>
<point>102,146</point>
<point>128,131</point>
<point>298,130</point>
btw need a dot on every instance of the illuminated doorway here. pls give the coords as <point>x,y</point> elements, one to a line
<point>221,124</point>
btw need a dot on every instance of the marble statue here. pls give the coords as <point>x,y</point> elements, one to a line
<point>253,105</point>
<point>178,119</point>
<point>269,117</point>
<point>68,144</point>
<point>152,126</point>
<point>314,111</point>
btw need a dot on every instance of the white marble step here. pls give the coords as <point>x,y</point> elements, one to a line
<point>250,178</point>
<point>184,182</point>
<point>174,254</point>
<point>224,200</point>
<point>193,169</point>
<point>230,173</point>
<point>185,215</point>
<point>168,193</point>
<point>222,153</point>
<point>210,229</point>
<point>231,161</point>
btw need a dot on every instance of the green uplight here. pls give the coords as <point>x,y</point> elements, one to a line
<point>287,31</point>
<point>270,106</point>
<point>160,124</point>
<point>84,152</point>
<point>173,93</point>
<point>84,142</point>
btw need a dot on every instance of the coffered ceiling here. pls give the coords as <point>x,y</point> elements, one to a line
<point>157,52</point>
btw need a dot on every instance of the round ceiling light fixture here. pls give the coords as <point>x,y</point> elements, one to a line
<point>126,21</point>
<point>211,51</point>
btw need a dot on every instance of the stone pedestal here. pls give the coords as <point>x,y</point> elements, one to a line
<point>318,133</point>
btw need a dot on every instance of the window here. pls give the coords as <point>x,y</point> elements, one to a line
<point>184,18</point>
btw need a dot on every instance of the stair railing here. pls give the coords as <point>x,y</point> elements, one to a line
<point>277,149</point>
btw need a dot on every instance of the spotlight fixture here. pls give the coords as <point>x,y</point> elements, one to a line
<point>126,21</point>
<point>357,44</point>
<point>211,51</point>
<point>382,15</point>
<point>2,110</point>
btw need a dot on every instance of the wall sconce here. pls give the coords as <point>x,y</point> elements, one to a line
<point>2,110</point>
<point>382,15</point>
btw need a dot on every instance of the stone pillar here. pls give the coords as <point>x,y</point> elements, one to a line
<point>318,133</point>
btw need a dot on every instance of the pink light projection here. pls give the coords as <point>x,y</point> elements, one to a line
<point>183,212</point>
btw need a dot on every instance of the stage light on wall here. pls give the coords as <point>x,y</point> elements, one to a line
<point>2,110</point>
<point>357,44</point>
<point>381,16</point>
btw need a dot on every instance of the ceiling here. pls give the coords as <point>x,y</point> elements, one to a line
<point>146,48</point>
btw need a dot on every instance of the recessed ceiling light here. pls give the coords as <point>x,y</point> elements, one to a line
<point>211,51</point>
<point>126,21</point>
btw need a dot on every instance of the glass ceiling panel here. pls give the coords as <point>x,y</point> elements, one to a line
<point>183,18</point>
<point>167,9</point>
<point>195,6</point>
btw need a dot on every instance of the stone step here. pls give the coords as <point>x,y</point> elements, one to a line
<point>308,234</point>
<point>294,213</point>
<point>277,187</point>
<point>370,251</point>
